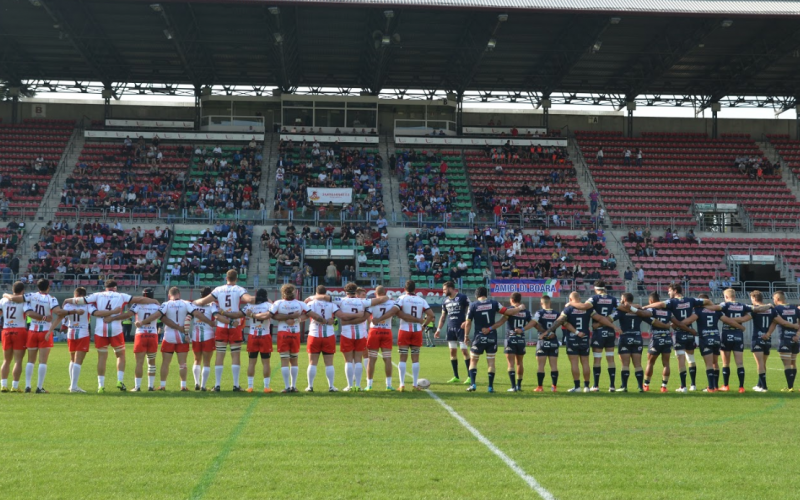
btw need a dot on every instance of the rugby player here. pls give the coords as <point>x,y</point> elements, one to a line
<point>482,313</point>
<point>787,321</point>
<point>454,311</point>
<point>761,341</point>
<point>603,336</point>
<point>203,345</point>
<point>547,344</point>
<point>322,340</point>
<point>685,344</point>
<point>15,337</point>
<point>380,337</point>
<point>145,341</point>
<point>413,312</point>
<point>229,297</point>
<point>259,339</point>
<point>515,345</point>
<point>109,331</point>
<point>630,341</point>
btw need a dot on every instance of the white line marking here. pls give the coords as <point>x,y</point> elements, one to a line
<point>532,482</point>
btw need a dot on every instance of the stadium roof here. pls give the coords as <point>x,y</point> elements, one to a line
<point>623,47</point>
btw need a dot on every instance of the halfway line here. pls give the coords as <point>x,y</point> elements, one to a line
<point>200,489</point>
<point>532,482</point>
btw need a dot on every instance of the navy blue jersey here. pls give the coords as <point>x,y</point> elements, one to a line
<point>482,313</point>
<point>581,320</point>
<point>682,307</point>
<point>791,314</point>
<point>734,310</point>
<point>761,321</point>
<point>664,316</point>
<point>456,309</point>
<point>603,305</point>
<point>519,320</point>
<point>629,322</point>
<point>545,317</point>
<point>707,320</point>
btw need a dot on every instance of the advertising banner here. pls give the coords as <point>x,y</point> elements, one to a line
<point>320,195</point>
<point>528,288</point>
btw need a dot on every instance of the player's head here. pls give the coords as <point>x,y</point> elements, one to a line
<point>756,297</point>
<point>174,293</point>
<point>380,291</point>
<point>148,292</point>
<point>261,296</point>
<point>287,291</point>
<point>43,285</point>
<point>232,276</point>
<point>111,285</point>
<point>516,298</point>
<point>627,298</point>
<point>205,292</point>
<point>574,297</point>
<point>675,289</point>
<point>79,292</point>
<point>729,294</point>
<point>350,289</point>
<point>449,289</point>
<point>410,287</point>
<point>600,287</point>
<point>654,297</point>
<point>545,300</point>
<point>321,290</point>
<point>361,293</point>
<point>703,296</point>
<point>481,292</point>
<point>18,287</point>
<point>778,297</point>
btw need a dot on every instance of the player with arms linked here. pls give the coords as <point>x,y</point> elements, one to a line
<point>787,322</point>
<point>454,311</point>
<point>515,343</point>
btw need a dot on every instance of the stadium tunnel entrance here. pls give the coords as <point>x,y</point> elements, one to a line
<point>753,275</point>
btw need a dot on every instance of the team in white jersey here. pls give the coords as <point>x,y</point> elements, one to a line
<point>413,312</point>
<point>203,344</point>
<point>145,341</point>
<point>287,312</point>
<point>15,336</point>
<point>322,339</point>
<point>259,339</point>
<point>380,337</point>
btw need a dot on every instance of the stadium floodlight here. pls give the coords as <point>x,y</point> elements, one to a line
<point>727,23</point>
<point>491,44</point>
<point>596,46</point>
<point>615,20</point>
<point>274,10</point>
<point>156,7</point>
<point>169,34</point>
<point>278,38</point>
<point>35,3</point>
<point>388,14</point>
<point>502,17</point>
<point>386,40</point>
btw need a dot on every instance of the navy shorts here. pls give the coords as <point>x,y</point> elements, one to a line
<point>602,339</point>
<point>630,343</point>
<point>484,343</point>
<point>732,341</point>
<point>455,334</point>
<point>660,344</point>
<point>761,345</point>
<point>515,344</point>
<point>577,346</point>
<point>789,347</point>
<point>709,343</point>
<point>684,341</point>
<point>547,348</point>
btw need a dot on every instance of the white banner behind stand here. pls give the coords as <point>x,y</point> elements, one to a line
<point>468,141</point>
<point>320,195</point>
<point>171,136</point>
<point>150,123</point>
<point>327,139</point>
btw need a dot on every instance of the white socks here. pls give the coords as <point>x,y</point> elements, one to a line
<point>137,382</point>
<point>101,381</point>
<point>235,372</point>
<point>206,374</point>
<point>295,372</point>
<point>70,374</point>
<point>311,373</point>
<point>196,374</point>
<point>120,376</point>
<point>266,382</point>
<point>28,374</point>
<point>329,372</point>
<point>348,374</point>
<point>401,367</point>
<point>42,373</point>
<point>388,381</point>
<point>286,374</point>
<point>76,373</point>
<point>415,372</point>
<point>250,382</point>
<point>359,368</point>
<point>218,374</point>
<point>151,381</point>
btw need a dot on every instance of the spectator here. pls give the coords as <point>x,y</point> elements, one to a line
<point>640,279</point>
<point>423,266</point>
<point>713,285</point>
<point>628,277</point>
<point>331,274</point>
<point>594,197</point>
<point>599,156</point>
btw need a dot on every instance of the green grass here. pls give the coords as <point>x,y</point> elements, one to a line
<point>393,445</point>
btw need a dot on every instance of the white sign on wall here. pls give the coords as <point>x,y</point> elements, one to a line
<point>38,111</point>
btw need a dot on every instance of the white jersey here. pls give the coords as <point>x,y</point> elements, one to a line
<point>255,327</point>
<point>176,310</point>
<point>13,314</point>
<point>228,297</point>
<point>106,301</point>
<point>202,331</point>
<point>380,310</point>
<point>142,312</point>
<point>288,307</point>
<point>42,304</point>
<point>413,306</point>
<point>326,310</point>
<point>78,324</point>
<point>354,305</point>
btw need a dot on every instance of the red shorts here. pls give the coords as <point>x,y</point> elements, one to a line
<point>349,345</point>
<point>78,345</point>
<point>169,347</point>
<point>228,335</point>
<point>288,342</point>
<point>15,338</point>
<point>145,342</point>
<point>204,346</point>
<point>115,341</point>
<point>36,340</point>
<point>379,338</point>
<point>324,345</point>
<point>412,339</point>
<point>261,343</point>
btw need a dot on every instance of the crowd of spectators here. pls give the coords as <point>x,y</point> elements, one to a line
<point>628,156</point>
<point>756,167</point>
<point>444,262</point>
<point>309,165</point>
<point>226,245</point>
<point>424,189</point>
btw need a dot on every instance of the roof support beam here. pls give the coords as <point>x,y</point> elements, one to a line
<point>377,55</point>
<point>472,47</point>
<point>177,36</point>
<point>282,23</point>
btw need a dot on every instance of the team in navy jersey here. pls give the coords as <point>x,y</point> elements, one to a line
<point>454,309</point>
